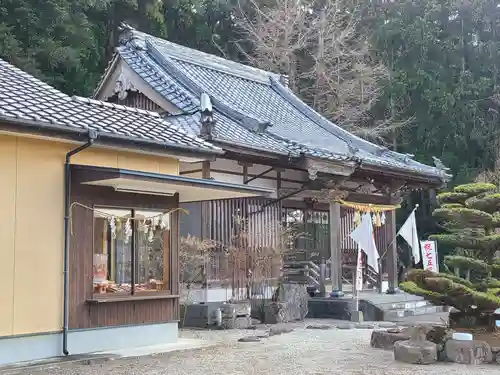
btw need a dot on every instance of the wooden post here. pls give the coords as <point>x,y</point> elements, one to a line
<point>335,247</point>
<point>205,224</point>
<point>205,169</point>
<point>392,254</point>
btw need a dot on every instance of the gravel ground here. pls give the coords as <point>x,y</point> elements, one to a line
<point>303,351</point>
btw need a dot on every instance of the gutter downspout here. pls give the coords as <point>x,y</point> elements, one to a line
<point>92,136</point>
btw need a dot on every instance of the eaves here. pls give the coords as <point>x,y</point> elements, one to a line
<point>54,130</point>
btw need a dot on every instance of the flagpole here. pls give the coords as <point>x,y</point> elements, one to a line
<point>356,281</point>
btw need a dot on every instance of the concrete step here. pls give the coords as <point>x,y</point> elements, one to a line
<point>405,305</point>
<point>397,314</point>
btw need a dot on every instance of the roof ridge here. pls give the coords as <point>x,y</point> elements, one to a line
<point>161,76</point>
<point>204,59</point>
<point>101,103</point>
<point>318,118</point>
<point>241,118</point>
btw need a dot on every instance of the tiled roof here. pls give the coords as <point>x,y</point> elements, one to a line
<point>24,97</point>
<point>241,93</point>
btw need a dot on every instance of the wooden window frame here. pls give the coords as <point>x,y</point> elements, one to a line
<point>134,295</point>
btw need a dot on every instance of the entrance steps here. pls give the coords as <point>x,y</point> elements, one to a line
<point>375,306</point>
<point>400,310</point>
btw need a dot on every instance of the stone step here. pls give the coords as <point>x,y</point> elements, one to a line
<point>405,305</point>
<point>396,314</point>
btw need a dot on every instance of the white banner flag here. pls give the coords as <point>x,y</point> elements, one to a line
<point>409,232</point>
<point>429,256</point>
<point>363,236</point>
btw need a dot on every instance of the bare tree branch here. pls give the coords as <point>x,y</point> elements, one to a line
<point>324,49</point>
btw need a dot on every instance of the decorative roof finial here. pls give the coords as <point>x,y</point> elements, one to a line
<point>408,157</point>
<point>207,117</point>
<point>284,80</point>
<point>352,149</point>
<point>439,164</point>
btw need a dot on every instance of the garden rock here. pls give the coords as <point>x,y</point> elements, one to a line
<point>296,298</point>
<point>386,340</point>
<point>274,313</point>
<point>228,313</point>
<point>419,332</point>
<point>495,350</point>
<point>471,352</point>
<point>320,327</point>
<point>345,326</point>
<point>249,339</point>
<point>386,324</point>
<point>439,335</point>
<point>244,322</point>
<point>365,326</point>
<point>415,352</point>
<point>279,330</point>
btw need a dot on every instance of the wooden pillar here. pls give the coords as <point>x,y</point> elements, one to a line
<point>206,232</point>
<point>392,253</point>
<point>205,169</point>
<point>205,205</point>
<point>335,247</point>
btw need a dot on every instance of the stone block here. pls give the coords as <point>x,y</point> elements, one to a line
<point>495,350</point>
<point>419,332</point>
<point>471,352</point>
<point>357,316</point>
<point>439,335</point>
<point>385,340</point>
<point>228,316</point>
<point>243,322</point>
<point>296,298</point>
<point>242,308</point>
<point>274,313</point>
<point>415,352</point>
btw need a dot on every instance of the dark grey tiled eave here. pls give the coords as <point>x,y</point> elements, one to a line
<point>244,97</point>
<point>29,102</point>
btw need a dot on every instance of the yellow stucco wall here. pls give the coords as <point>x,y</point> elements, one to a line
<point>31,226</point>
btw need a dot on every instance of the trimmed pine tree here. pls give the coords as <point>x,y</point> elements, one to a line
<point>469,216</point>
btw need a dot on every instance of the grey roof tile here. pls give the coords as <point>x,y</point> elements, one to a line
<point>148,70</point>
<point>254,93</point>
<point>25,97</point>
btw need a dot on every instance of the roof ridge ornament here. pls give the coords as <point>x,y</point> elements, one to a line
<point>128,35</point>
<point>408,157</point>
<point>352,149</point>
<point>439,164</point>
<point>285,80</point>
<point>207,117</point>
<point>381,151</point>
<point>442,170</point>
